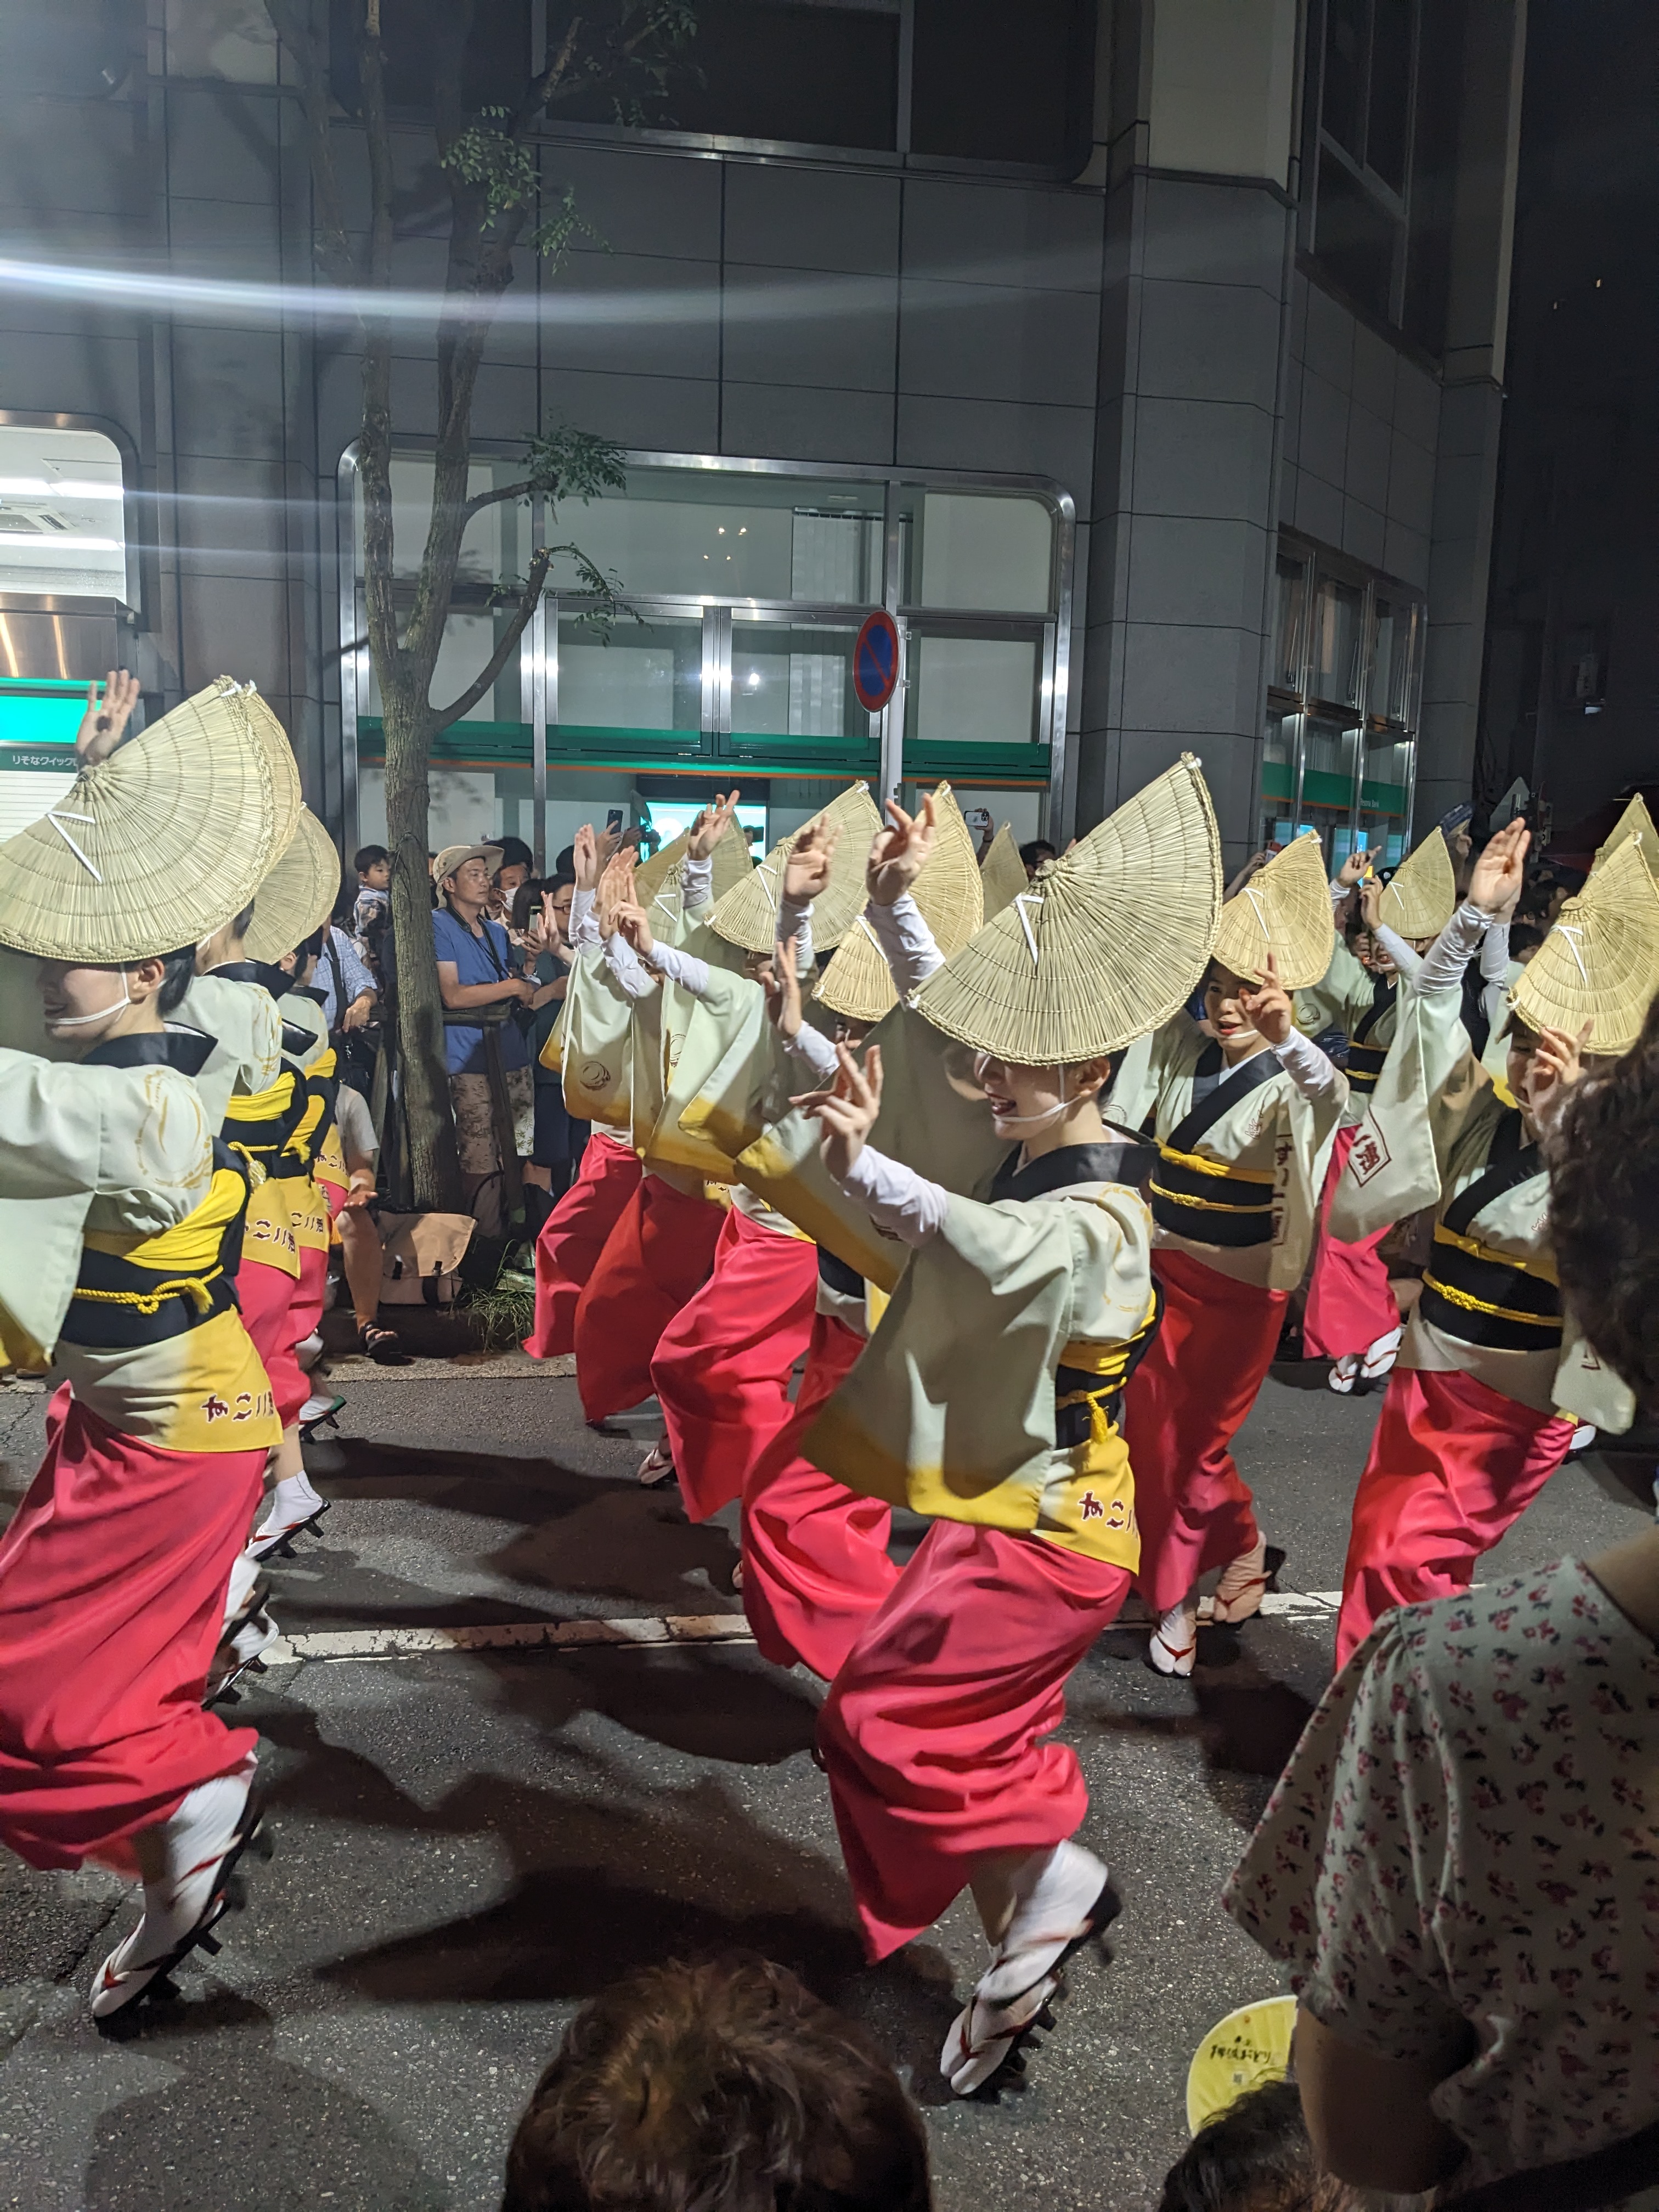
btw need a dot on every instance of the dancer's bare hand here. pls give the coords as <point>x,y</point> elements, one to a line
<point>847,1108</point>
<point>1499,873</point>
<point>1268,1007</point>
<point>711,825</point>
<point>782,984</point>
<point>104,723</point>
<point>901,852</point>
<point>806,871</point>
<point>634,923</point>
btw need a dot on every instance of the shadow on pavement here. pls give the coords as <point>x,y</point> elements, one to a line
<point>293,2135</point>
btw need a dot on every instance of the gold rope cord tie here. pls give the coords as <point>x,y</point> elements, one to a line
<point>256,1168</point>
<point>1208,1204</point>
<point>1471,1304</point>
<point>194,1287</point>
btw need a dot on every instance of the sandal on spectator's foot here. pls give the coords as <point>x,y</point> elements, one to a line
<point>656,1468</point>
<point>383,1345</point>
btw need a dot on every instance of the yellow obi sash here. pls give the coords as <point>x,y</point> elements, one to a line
<point>268,1235</point>
<point>330,1166</point>
<point>143,1290</point>
<point>1089,1502</point>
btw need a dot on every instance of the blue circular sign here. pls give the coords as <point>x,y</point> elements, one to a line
<point>876,661</point>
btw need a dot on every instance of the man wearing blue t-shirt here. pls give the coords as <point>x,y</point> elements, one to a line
<point>478,968</point>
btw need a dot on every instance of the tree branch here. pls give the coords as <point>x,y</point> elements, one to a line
<point>506,645</point>
<point>333,240</point>
<point>480,500</point>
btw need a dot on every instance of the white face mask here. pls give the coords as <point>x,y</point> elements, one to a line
<point>1027,1121</point>
<point>103,1014</point>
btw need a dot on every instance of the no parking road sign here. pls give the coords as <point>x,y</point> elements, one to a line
<point>876,661</point>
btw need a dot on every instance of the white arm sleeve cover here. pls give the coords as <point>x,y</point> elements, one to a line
<point>795,925</point>
<point>681,967</point>
<point>584,930</point>
<point>1405,958</point>
<point>1313,1074</point>
<point>897,1198</point>
<point>906,942</point>
<point>1449,956</point>
<point>1495,954</point>
<point>696,885</point>
<point>624,965</point>
<point>814,1051</point>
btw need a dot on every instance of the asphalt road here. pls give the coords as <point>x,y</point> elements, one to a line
<point>469,1842</point>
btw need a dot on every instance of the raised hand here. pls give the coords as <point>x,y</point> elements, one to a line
<point>782,985</point>
<point>900,852</point>
<point>616,890</point>
<point>1355,869</point>
<point>1266,1006</point>
<point>847,1108</point>
<point>635,926</point>
<point>102,726</point>
<point>711,825</point>
<point>806,871</point>
<point>1370,903</point>
<point>584,861</point>
<point>1553,1065</point>
<point>1499,873</point>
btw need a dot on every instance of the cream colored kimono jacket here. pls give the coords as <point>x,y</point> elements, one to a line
<point>1255,1173</point>
<point>120,1160</point>
<point>1440,1133</point>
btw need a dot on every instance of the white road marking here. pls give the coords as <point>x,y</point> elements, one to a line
<point>507,1636</point>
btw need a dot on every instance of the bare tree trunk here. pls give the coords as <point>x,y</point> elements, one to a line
<point>435,1164</point>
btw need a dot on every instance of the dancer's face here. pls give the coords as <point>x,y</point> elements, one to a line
<point>1022,1099</point>
<point>1224,1007</point>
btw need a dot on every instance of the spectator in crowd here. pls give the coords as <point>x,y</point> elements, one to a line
<point>478,970</point>
<point>373,864</point>
<point>725,2087</point>
<point>360,1249</point>
<point>350,993</point>
<point>541,920</point>
<point>1036,852</point>
<point>1253,2157</point>
<point>516,867</point>
<point>1458,1865</point>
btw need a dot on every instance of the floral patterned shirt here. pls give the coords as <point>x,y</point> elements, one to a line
<point>1472,1819</point>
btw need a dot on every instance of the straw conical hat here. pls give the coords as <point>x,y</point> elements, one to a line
<point>748,913</point>
<point>1421,897</point>
<point>158,846</point>
<point>1102,945</point>
<point>299,894</point>
<point>1284,909</point>
<point>858,984</point>
<point>1600,964</point>
<point>1002,873</point>
<point>1634,823</point>
<point>270,735</point>
<point>731,863</point>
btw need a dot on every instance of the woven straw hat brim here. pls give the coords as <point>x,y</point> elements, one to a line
<point>269,733</point>
<point>1285,910</point>
<point>1636,823</point>
<point>747,914</point>
<point>1600,964</point>
<point>858,984</point>
<point>1421,897</point>
<point>664,871</point>
<point>1002,873</point>
<point>1105,944</point>
<point>298,896</point>
<point>160,845</point>
<point>663,865</point>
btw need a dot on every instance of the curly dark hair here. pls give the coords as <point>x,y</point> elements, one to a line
<point>1253,2157</point>
<point>1604,1210</point>
<point>725,2086</point>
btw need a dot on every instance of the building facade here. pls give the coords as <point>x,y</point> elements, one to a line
<point>1147,366</point>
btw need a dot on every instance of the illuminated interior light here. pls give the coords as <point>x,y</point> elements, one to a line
<point>33,541</point>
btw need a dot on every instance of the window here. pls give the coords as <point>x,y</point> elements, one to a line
<point>1340,748</point>
<point>62,505</point>
<point>1384,92</point>
<point>996,85</point>
<point>741,590</point>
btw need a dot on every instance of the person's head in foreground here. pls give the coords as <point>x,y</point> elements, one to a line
<point>1253,2157</point>
<point>727,2087</point>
